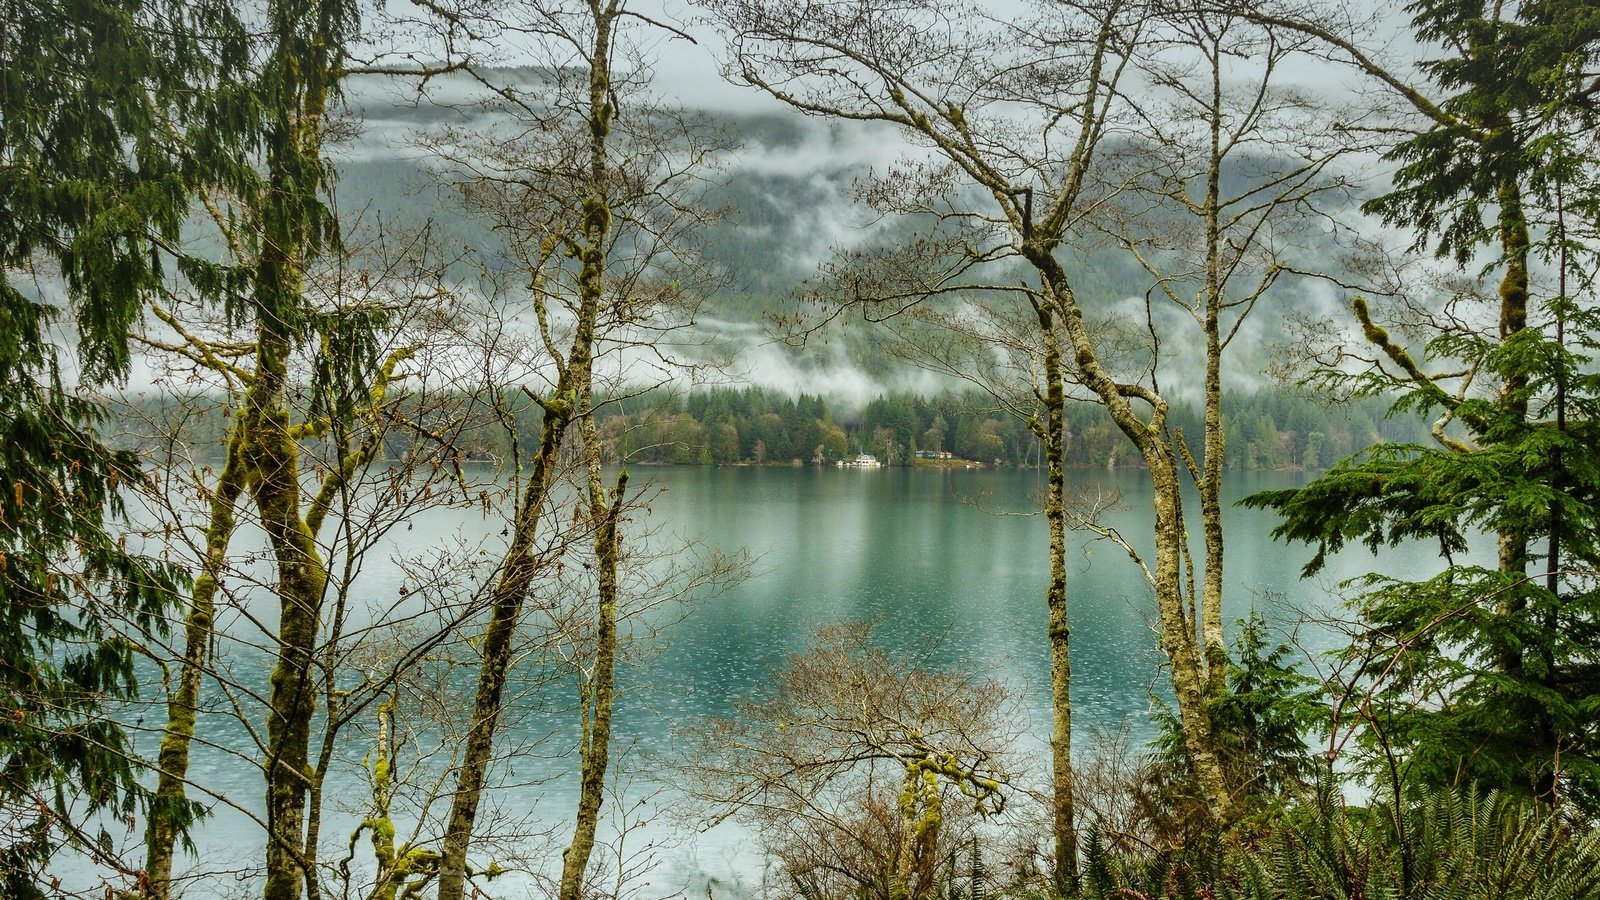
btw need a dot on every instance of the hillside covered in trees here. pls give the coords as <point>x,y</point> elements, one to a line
<point>1267,430</point>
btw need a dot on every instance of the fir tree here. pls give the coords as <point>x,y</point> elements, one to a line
<point>1486,674</point>
<point>104,110</point>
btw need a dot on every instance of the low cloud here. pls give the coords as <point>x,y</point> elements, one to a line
<point>756,359</point>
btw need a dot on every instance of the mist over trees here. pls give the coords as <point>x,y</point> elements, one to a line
<point>280,281</point>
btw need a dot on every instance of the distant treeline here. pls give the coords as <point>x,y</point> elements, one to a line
<point>1265,430</point>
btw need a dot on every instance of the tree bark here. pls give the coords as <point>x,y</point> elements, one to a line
<point>1514,246</point>
<point>173,760</point>
<point>921,813</point>
<point>1051,432</point>
<point>302,581</point>
<point>1214,440</point>
<point>517,572</point>
<point>594,747</point>
<point>1178,639</point>
<point>292,228</point>
<point>1511,542</point>
<point>520,565</point>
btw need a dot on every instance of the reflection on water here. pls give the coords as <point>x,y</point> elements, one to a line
<point>950,562</point>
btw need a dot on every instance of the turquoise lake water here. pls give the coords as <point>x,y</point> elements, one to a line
<point>950,563</point>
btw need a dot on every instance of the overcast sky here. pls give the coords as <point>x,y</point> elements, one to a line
<point>691,73</point>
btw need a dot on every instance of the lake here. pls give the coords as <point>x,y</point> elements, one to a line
<point>949,562</point>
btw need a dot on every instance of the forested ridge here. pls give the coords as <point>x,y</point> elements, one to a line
<point>334,337</point>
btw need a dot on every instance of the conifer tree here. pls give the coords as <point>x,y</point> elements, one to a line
<point>1486,674</point>
<point>102,108</point>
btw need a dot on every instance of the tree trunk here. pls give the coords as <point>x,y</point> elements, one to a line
<point>921,814</point>
<point>302,580</point>
<point>293,227</point>
<point>520,565</point>
<point>594,747</point>
<point>1512,542</point>
<point>173,761</point>
<point>1051,432</point>
<point>1178,639</point>
<point>390,877</point>
<point>517,572</point>
<point>1177,633</point>
<point>1210,486</point>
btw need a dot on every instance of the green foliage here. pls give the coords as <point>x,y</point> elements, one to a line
<point>1479,675</point>
<point>112,115</point>
<point>1450,845</point>
<point>1515,81</point>
<point>1525,726</point>
<point>1476,674</point>
<point>1268,712</point>
<point>346,362</point>
<point>65,584</point>
<point>95,177</point>
<point>730,423</point>
<point>67,588</point>
<point>1262,721</point>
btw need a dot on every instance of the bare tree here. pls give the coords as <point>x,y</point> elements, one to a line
<point>849,767</point>
<point>595,213</point>
<point>1229,182</point>
<point>1013,115</point>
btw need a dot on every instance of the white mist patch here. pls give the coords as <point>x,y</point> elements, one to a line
<point>756,359</point>
<point>823,147</point>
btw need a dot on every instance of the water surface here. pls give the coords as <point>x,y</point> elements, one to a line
<point>950,564</point>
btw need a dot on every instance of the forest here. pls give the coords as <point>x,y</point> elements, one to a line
<point>724,427</point>
<point>336,339</point>
<point>751,425</point>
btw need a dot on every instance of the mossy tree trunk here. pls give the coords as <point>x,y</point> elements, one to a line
<point>921,814</point>
<point>1050,427</point>
<point>294,227</point>
<point>302,582</point>
<point>1214,438</point>
<point>516,575</point>
<point>1511,542</point>
<point>182,706</point>
<point>403,871</point>
<point>520,565</point>
<point>598,686</point>
<point>1178,637</point>
<point>382,824</point>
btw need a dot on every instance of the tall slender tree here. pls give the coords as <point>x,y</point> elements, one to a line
<point>1495,169</point>
<point>1015,113</point>
<point>1225,188</point>
<point>596,213</point>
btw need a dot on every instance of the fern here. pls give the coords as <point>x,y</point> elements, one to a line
<point>1439,845</point>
